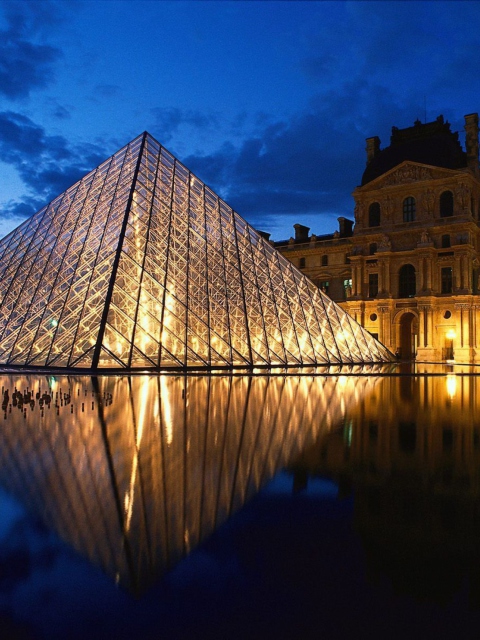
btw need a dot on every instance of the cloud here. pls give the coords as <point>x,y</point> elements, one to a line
<point>307,164</point>
<point>169,120</point>
<point>107,90</point>
<point>26,64</point>
<point>46,164</point>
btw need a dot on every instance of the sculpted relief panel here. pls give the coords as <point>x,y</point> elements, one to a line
<point>408,173</point>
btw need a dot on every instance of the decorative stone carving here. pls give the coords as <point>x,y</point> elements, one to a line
<point>428,202</point>
<point>359,212</point>
<point>462,193</point>
<point>408,173</point>
<point>387,207</point>
<point>463,238</point>
<point>425,237</point>
<point>384,244</point>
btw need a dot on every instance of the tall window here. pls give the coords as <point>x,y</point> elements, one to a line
<point>373,248</point>
<point>324,285</point>
<point>406,281</point>
<point>347,287</point>
<point>324,260</point>
<point>446,204</point>
<point>447,279</point>
<point>374,215</point>
<point>372,285</point>
<point>301,263</point>
<point>409,209</point>
<point>446,241</point>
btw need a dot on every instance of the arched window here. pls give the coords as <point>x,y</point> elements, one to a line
<point>446,204</point>
<point>324,260</point>
<point>406,281</point>
<point>374,215</point>
<point>409,209</point>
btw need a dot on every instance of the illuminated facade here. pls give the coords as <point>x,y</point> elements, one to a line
<point>409,450</point>
<point>139,265</point>
<point>409,270</point>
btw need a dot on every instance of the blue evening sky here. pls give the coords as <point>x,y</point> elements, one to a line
<point>269,103</point>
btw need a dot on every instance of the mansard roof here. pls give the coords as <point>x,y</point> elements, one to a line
<point>431,143</point>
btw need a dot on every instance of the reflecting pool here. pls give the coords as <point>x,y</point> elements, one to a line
<point>297,505</point>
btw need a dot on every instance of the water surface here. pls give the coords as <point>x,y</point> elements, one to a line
<point>240,506</point>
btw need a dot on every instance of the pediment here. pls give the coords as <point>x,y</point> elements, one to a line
<point>408,172</point>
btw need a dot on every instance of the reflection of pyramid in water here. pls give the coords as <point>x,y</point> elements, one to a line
<point>140,265</point>
<point>135,472</point>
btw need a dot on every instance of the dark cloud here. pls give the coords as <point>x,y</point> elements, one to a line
<point>47,164</point>
<point>169,120</point>
<point>25,63</point>
<point>107,90</point>
<point>308,164</point>
<point>60,112</point>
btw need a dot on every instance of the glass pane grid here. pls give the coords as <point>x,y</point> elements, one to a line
<point>188,282</point>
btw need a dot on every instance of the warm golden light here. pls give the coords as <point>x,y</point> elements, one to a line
<point>185,269</point>
<point>451,335</point>
<point>451,384</point>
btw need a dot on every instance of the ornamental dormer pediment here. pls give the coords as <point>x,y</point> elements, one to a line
<point>408,172</point>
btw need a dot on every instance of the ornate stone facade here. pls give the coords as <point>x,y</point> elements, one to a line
<point>409,270</point>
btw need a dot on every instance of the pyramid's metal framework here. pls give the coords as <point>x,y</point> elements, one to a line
<point>140,265</point>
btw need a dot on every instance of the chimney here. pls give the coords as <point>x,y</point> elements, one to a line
<point>345,227</point>
<point>372,148</point>
<point>264,235</point>
<point>301,233</point>
<point>471,140</point>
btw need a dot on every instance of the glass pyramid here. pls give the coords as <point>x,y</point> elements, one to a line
<point>140,265</point>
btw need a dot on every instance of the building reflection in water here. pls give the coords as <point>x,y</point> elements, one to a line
<point>134,472</point>
<point>409,450</point>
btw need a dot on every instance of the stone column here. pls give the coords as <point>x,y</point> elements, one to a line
<point>384,325</point>
<point>422,337</point>
<point>457,274</point>
<point>387,283</point>
<point>380,278</point>
<point>356,278</point>
<point>462,349</point>
<point>426,347</point>
<point>423,264</point>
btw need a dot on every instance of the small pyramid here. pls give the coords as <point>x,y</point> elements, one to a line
<point>140,265</point>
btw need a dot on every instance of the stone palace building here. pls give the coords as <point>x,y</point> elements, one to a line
<point>408,269</point>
